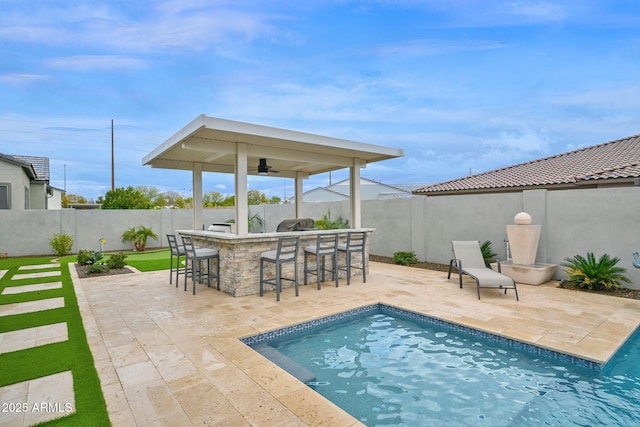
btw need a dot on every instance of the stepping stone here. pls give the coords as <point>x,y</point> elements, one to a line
<point>38,267</point>
<point>12,290</point>
<point>33,337</point>
<point>2,273</point>
<point>36,275</point>
<point>31,306</point>
<point>38,400</point>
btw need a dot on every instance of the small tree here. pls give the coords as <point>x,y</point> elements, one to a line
<point>126,198</point>
<point>138,236</point>
<point>62,244</point>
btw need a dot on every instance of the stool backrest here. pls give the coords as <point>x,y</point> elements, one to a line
<point>288,248</point>
<point>189,248</point>
<point>327,244</point>
<point>173,244</point>
<point>356,240</point>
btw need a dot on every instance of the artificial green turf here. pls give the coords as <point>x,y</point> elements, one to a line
<point>73,354</point>
<point>142,261</point>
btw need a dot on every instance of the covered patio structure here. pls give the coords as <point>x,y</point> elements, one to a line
<point>209,144</point>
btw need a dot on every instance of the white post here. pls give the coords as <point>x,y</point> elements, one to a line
<point>197,196</point>
<point>354,183</point>
<point>242,204</point>
<point>299,196</point>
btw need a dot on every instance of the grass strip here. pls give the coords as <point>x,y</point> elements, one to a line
<point>73,354</point>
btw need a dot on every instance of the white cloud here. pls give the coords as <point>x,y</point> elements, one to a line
<point>19,79</point>
<point>96,62</point>
<point>436,47</point>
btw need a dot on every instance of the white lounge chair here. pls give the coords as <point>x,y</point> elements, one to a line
<point>468,260</point>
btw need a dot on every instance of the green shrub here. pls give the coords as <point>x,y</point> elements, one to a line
<point>404,258</point>
<point>587,273</point>
<point>487,253</point>
<point>62,244</point>
<point>117,261</point>
<point>85,256</point>
<point>326,223</point>
<point>98,267</point>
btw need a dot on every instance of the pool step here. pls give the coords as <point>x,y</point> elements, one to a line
<point>295,369</point>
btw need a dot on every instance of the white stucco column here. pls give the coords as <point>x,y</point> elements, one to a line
<point>299,196</point>
<point>197,196</point>
<point>354,183</point>
<point>242,204</point>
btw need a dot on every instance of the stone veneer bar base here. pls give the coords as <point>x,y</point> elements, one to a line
<point>535,274</point>
<point>240,257</point>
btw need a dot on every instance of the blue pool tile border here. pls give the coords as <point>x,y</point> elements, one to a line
<point>420,317</point>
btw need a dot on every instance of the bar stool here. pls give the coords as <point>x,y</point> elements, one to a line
<point>178,252</point>
<point>356,242</point>
<point>326,246</point>
<point>193,266</point>
<point>287,252</point>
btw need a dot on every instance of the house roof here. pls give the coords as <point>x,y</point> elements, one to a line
<point>612,163</point>
<point>40,165</point>
<point>369,189</point>
<point>27,166</point>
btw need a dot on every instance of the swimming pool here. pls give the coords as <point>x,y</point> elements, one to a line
<point>386,366</point>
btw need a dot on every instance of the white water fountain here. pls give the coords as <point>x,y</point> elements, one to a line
<point>523,238</point>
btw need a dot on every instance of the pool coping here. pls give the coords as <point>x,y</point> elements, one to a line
<point>380,307</point>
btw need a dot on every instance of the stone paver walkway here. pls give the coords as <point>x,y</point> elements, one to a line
<point>31,306</point>
<point>12,290</point>
<point>33,337</point>
<point>35,275</point>
<point>39,399</point>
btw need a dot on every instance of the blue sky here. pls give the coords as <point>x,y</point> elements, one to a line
<point>461,85</point>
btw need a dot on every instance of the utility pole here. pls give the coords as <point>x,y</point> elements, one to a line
<point>113,177</point>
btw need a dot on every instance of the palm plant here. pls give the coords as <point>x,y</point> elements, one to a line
<point>487,253</point>
<point>138,236</point>
<point>595,275</point>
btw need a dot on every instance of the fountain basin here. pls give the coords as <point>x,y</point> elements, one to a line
<point>534,274</point>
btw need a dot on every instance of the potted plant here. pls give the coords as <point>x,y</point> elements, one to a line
<point>138,236</point>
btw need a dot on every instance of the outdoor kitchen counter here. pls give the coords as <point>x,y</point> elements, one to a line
<point>240,256</point>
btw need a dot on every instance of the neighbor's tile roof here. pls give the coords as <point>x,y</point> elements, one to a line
<point>27,166</point>
<point>611,160</point>
<point>39,164</point>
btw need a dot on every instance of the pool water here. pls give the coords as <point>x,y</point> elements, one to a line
<point>388,369</point>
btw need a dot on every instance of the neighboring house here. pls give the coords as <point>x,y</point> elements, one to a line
<point>369,190</point>
<point>612,164</point>
<point>24,184</point>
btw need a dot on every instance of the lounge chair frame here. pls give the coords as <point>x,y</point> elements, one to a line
<point>468,260</point>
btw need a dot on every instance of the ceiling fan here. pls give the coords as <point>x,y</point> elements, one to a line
<point>264,168</point>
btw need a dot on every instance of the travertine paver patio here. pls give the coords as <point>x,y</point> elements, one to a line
<point>167,357</point>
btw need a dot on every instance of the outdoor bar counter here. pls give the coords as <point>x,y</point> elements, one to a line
<point>240,257</point>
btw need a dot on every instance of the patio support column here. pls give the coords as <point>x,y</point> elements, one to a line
<point>299,196</point>
<point>354,183</point>
<point>197,196</point>
<point>242,204</point>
